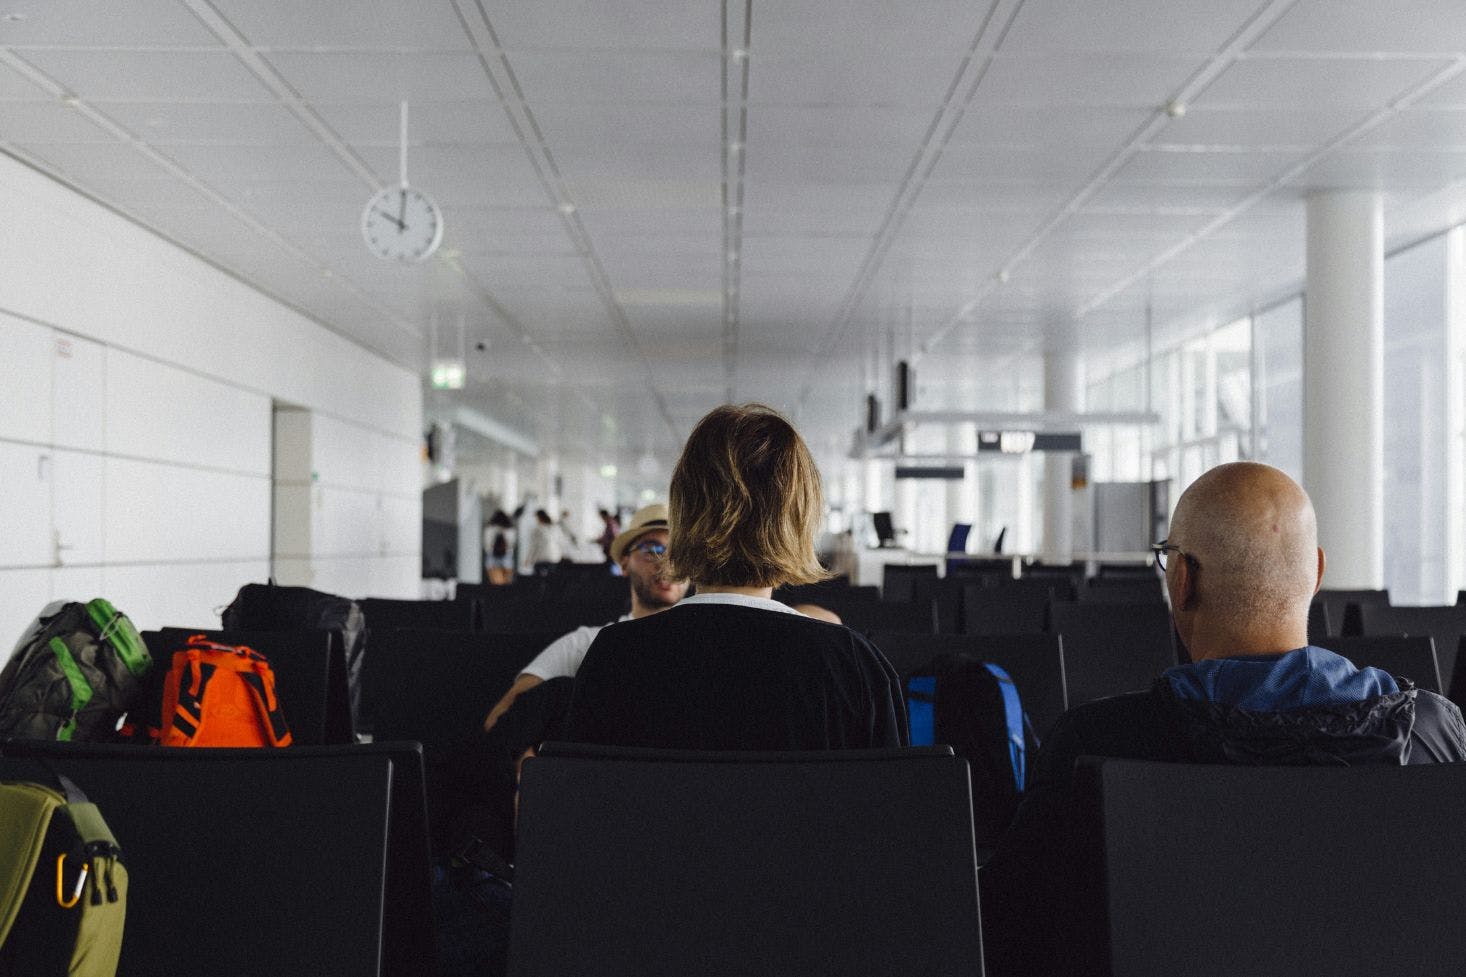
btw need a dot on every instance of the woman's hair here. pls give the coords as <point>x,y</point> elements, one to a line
<point>543,517</point>
<point>745,502</point>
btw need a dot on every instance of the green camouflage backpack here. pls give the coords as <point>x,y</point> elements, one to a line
<point>76,670</point>
<point>63,889</point>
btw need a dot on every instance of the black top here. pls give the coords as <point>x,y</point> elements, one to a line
<point>1040,901</point>
<point>731,677</point>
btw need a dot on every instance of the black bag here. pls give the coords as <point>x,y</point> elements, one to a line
<point>974,707</point>
<point>75,672</point>
<point>267,607</point>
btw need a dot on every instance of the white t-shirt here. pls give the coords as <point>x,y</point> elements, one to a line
<point>562,657</point>
<point>737,600</point>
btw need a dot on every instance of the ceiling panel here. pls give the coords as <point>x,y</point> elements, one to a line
<point>621,75</point>
<point>390,24</point>
<point>1236,168</point>
<point>1255,126</point>
<point>1402,25</point>
<point>611,224</point>
<point>200,76</point>
<point>1137,81</point>
<point>781,126</point>
<point>640,161</point>
<point>38,123</point>
<point>826,164</point>
<point>137,23</point>
<point>969,163</point>
<point>1053,129</point>
<point>441,122</point>
<point>626,24</point>
<point>421,76</point>
<point>1191,198</point>
<point>1319,83</point>
<point>17,87</point>
<point>1386,170</point>
<point>112,161</point>
<point>237,123</point>
<point>466,176</point>
<point>600,124</point>
<point>880,79</point>
<point>915,27</point>
<point>1197,26</point>
<point>221,166</point>
<point>1418,129</point>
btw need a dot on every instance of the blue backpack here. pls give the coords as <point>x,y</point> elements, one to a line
<point>975,707</point>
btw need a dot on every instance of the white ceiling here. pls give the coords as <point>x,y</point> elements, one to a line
<point>642,222</point>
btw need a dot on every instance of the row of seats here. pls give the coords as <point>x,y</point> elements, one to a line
<point>648,863</point>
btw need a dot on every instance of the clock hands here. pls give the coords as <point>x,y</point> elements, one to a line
<point>401,225</point>
<point>402,208</point>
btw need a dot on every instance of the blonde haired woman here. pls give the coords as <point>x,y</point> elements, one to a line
<point>730,668</point>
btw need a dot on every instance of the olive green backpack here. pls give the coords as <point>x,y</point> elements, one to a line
<point>63,888</point>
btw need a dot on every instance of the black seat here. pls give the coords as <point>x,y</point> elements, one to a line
<point>310,860</point>
<point>865,616</point>
<point>542,614</point>
<point>1013,607</point>
<point>1122,589</point>
<point>1035,662</point>
<point>640,863</point>
<point>1112,648</point>
<point>1320,624</point>
<point>948,593</point>
<point>1344,607</point>
<point>437,615</point>
<point>898,580</point>
<point>1445,624</point>
<point>310,677</point>
<point>1216,871</point>
<point>1412,658</point>
<point>839,589</point>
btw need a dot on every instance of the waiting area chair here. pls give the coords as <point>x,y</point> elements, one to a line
<point>641,863</point>
<point>1217,871</point>
<point>248,862</point>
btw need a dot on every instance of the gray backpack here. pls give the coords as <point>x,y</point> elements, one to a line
<point>75,672</point>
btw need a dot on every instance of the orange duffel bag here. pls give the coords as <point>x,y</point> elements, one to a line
<point>220,695</point>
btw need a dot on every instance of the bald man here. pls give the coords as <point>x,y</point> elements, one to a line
<point>1242,563</point>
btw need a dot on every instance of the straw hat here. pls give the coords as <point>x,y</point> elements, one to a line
<point>647,518</point>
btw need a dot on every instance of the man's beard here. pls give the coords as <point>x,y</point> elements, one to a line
<point>644,587</point>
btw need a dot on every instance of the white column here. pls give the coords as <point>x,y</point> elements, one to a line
<point>1343,384</point>
<point>1063,391</point>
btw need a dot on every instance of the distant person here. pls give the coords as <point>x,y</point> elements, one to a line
<point>730,668</point>
<point>609,530</point>
<point>499,548</point>
<point>544,544</point>
<point>1241,564</point>
<point>566,531</point>
<point>640,552</point>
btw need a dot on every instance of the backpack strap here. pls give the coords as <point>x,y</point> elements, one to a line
<point>921,717</point>
<point>266,701</point>
<point>1013,713</point>
<point>188,715</point>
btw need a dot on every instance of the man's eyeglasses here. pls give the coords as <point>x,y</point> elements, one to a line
<point>654,551</point>
<point>1166,546</point>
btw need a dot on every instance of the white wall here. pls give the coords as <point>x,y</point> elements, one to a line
<point>137,386</point>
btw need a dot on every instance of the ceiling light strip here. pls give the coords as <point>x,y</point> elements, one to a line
<point>491,56</point>
<point>974,64</point>
<point>1234,50</point>
<point>735,65</point>
<point>1395,107</point>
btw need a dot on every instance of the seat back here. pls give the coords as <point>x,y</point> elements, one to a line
<point>1320,623</point>
<point>1344,606</point>
<point>1012,607</point>
<point>1445,624</point>
<point>1112,648</point>
<point>1413,658</point>
<point>865,616</point>
<point>1122,589</point>
<point>436,615</point>
<point>1215,871</point>
<point>1034,661</point>
<point>311,860</point>
<point>310,677</point>
<point>898,580</point>
<point>636,863</point>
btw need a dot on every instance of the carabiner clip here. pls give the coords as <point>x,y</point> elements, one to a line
<point>81,881</point>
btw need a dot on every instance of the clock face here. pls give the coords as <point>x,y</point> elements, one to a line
<point>402,223</point>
